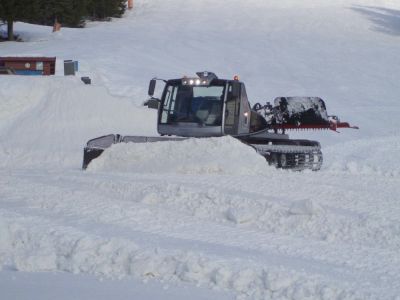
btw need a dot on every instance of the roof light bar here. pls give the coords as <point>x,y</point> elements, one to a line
<point>205,78</point>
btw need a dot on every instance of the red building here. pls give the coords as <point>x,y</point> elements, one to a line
<point>30,65</point>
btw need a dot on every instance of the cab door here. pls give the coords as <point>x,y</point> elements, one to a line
<point>237,110</point>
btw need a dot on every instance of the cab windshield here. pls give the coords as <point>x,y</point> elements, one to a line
<point>193,104</point>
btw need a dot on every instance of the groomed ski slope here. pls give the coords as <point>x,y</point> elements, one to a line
<point>205,219</point>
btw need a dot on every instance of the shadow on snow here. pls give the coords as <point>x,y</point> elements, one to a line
<point>385,20</point>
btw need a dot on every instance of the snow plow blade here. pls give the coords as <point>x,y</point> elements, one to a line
<point>95,147</point>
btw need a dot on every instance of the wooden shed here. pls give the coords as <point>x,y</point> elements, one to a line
<point>30,65</point>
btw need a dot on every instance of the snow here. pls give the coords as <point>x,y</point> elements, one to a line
<point>60,117</point>
<point>224,155</point>
<point>203,218</point>
<point>65,286</point>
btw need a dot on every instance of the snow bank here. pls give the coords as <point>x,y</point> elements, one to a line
<point>224,155</point>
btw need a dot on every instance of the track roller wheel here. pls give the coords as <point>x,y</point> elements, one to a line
<point>282,162</point>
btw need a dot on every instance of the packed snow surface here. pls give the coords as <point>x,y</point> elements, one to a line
<point>203,218</point>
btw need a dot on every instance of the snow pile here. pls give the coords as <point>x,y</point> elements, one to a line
<point>14,101</point>
<point>35,245</point>
<point>278,209</point>
<point>47,121</point>
<point>305,207</point>
<point>224,155</point>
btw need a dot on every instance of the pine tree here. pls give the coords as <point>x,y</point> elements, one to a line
<point>70,13</point>
<point>17,10</point>
<point>11,11</point>
<point>103,9</point>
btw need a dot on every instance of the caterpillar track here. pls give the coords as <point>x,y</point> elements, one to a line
<point>297,158</point>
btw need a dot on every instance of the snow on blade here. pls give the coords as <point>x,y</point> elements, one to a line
<point>224,155</point>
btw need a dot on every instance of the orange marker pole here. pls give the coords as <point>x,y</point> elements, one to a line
<point>56,26</point>
<point>130,4</point>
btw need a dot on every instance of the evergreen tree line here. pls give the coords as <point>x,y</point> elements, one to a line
<point>70,13</point>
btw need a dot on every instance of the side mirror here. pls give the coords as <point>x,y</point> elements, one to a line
<point>153,103</point>
<point>152,87</point>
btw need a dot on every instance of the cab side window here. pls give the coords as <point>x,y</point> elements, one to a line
<point>232,108</point>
